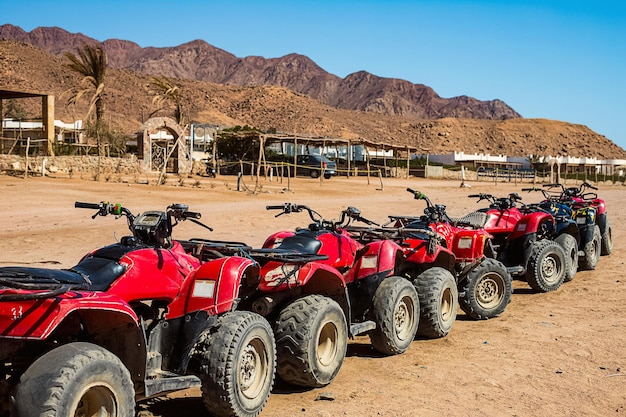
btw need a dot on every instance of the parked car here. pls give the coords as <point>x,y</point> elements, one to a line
<point>314,165</point>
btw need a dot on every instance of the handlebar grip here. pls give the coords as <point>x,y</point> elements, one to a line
<point>592,187</point>
<point>192,215</point>
<point>529,189</point>
<point>93,206</point>
<point>412,191</point>
<point>474,196</point>
<point>274,207</point>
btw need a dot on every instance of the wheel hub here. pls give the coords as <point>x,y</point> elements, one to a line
<point>252,369</point>
<point>550,268</point>
<point>403,318</point>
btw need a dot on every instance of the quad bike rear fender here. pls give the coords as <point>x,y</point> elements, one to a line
<point>37,319</point>
<point>98,317</point>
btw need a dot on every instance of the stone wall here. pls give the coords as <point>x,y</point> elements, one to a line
<point>72,165</point>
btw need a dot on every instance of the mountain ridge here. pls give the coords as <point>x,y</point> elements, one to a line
<point>129,103</point>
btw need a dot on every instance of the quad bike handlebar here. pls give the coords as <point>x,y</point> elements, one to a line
<point>498,202</point>
<point>161,224</point>
<point>319,223</point>
<point>434,212</point>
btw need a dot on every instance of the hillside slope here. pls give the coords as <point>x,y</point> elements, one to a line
<point>129,102</point>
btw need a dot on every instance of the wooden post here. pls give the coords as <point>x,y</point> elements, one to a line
<point>367,161</point>
<point>348,157</point>
<point>27,150</point>
<point>408,162</point>
<point>295,155</point>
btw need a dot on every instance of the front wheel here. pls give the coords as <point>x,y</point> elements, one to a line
<point>396,313</point>
<point>592,250</point>
<point>439,302</point>
<point>238,363</point>
<point>76,379</point>
<point>570,247</point>
<point>311,339</point>
<point>486,290</point>
<point>546,266</point>
<point>607,239</point>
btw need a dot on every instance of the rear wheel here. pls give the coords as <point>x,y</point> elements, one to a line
<point>396,313</point>
<point>486,290</point>
<point>314,173</point>
<point>546,266</point>
<point>592,251</point>
<point>570,247</point>
<point>311,340</point>
<point>607,239</point>
<point>238,362</point>
<point>76,379</point>
<point>438,300</point>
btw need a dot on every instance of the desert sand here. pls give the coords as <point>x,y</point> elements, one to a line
<point>556,354</point>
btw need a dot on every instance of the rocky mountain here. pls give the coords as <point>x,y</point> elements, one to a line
<point>129,103</point>
<point>197,60</point>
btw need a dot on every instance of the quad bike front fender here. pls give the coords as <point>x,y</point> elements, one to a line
<point>418,256</point>
<point>531,224</point>
<point>214,287</point>
<point>469,244</point>
<point>379,258</point>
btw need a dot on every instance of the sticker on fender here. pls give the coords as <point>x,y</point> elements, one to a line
<point>204,289</point>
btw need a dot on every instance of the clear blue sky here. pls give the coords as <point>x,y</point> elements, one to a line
<point>560,60</point>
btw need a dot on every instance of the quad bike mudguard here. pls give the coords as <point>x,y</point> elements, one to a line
<point>38,319</point>
<point>214,287</point>
<point>531,224</point>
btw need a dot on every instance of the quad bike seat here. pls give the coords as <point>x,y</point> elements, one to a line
<point>95,274</point>
<point>301,243</point>
<point>476,219</point>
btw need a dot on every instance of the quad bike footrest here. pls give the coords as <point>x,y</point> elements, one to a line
<point>170,383</point>
<point>516,270</point>
<point>363,327</point>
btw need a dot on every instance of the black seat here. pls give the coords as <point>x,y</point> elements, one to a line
<point>301,243</point>
<point>475,219</point>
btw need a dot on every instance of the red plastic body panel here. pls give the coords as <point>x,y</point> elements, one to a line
<point>213,287</point>
<point>529,223</point>
<point>279,276</point>
<point>154,274</point>
<point>380,256</point>
<point>502,221</point>
<point>36,319</point>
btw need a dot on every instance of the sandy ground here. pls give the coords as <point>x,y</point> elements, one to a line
<point>554,354</point>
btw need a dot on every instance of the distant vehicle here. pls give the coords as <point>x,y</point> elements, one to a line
<point>314,165</point>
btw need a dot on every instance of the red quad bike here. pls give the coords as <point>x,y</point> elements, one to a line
<point>579,198</point>
<point>350,290</point>
<point>484,284</point>
<point>133,320</point>
<point>522,241</point>
<point>429,266</point>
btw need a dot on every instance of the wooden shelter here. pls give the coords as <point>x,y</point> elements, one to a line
<point>47,112</point>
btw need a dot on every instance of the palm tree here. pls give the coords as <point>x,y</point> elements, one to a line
<point>167,91</point>
<point>90,62</point>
